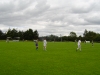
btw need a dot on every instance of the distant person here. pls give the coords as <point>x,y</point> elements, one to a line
<point>79,45</point>
<point>23,40</point>
<point>7,40</point>
<point>36,44</point>
<point>44,44</point>
<point>75,41</point>
<point>85,41</point>
<point>92,43</point>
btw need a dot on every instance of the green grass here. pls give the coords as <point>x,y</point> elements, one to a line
<point>61,58</point>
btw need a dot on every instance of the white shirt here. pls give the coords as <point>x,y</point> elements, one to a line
<point>45,42</point>
<point>79,42</point>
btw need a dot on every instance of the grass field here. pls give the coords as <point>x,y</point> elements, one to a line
<point>61,58</point>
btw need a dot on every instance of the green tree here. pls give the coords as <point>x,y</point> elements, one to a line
<point>36,34</point>
<point>29,34</point>
<point>14,33</point>
<point>9,33</point>
<point>89,35</point>
<point>1,34</point>
<point>85,33</point>
<point>72,34</point>
<point>21,35</point>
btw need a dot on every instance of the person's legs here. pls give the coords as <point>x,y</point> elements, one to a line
<point>77,48</point>
<point>80,47</point>
<point>36,46</point>
<point>45,47</point>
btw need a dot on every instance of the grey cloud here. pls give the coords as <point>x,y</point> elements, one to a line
<point>87,7</point>
<point>81,10</point>
<point>40,8</point>
<point>50,17</point>
<point>14,5</point>
<point>92,18</point>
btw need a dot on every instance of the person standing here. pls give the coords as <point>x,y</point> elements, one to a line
<point>36,44</point>
<point>92,43</point>
<point>79,45</point>
<point>44,44</point>
<point>7,40</point>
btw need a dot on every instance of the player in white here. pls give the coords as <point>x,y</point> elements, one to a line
<point>92,42</point>
<point>7,40</point>
<point>79,45</point>
<point>44,44</point>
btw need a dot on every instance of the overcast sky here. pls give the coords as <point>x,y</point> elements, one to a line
<point>50,16</point>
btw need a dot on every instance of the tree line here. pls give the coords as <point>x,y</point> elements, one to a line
<point>31,35</point>
<point>87,36</point>
<point>24,35</point>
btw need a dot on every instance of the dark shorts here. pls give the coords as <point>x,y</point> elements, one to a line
<point>36,44</point>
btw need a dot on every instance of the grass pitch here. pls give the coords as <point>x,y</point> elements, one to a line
<point>61,58</point>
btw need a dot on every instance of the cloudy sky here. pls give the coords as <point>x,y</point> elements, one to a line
<point>50,16</point>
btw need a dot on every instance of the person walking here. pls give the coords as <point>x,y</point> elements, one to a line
<point>36,44</point>
<point>44,44</point>
<point>79,45</point>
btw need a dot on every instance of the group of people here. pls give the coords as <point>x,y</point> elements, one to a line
<point>44,44</point>
<point>79,44</point>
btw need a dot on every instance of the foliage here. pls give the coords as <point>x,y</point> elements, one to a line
<point>30,35</point>
<point>73,34</point>
<point>89,35</point>
<point>26,35</point>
